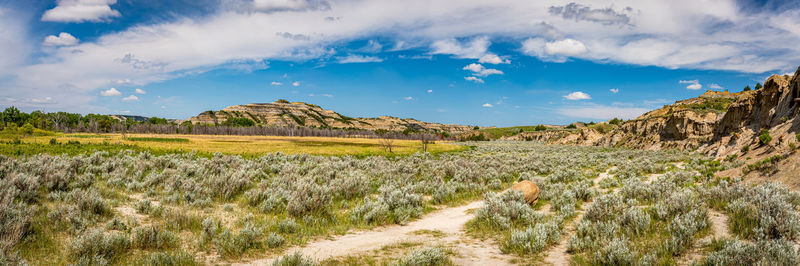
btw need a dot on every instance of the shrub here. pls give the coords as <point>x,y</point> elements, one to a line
<point>763,137</point>
<point>294,259</point>
<point>503,210</point>
<point>396,204</point>
<point>178,258</point>
<point>287,226</point>
<point>425,256</point>
<point>274,240</point>
<point>736,252</point>
<point>308,198</point>
<point>635,220</point>
<point>153,237</point>
<point>234,245</point>
<point>97,247</point>
<point>534,240</point>
<point>616,252</point>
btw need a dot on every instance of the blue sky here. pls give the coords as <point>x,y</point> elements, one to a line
<point>501,63</point>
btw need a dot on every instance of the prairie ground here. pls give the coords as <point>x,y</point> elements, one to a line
<point>598,206</point>
<point>251,145</point>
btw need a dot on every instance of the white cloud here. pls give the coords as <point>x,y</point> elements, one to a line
<point>111,92</point>
<point>693,84</point>
<point>493,59</point>
<point>565,47</point>
<point>615,90</point>
<point>487,105</point>
<point>63,39</point>
<point>81,11</point>
<point>602,112</point>
<point>296,83</point>
<point>715,86</point>
<point>473,79</point>
<point>141,91</point>
<point>321,95</point>
<point>686,34</point>
<point>408,98</point>
<point>578,95</point>
<point>474,48</point>
<point>275,83</point>
<point>358,59</point>
<point>694,87</point>
<point>430,91</point>
<point>482,71</point>
<point>131,98</point>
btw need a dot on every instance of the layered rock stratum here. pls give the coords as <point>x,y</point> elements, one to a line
<point>282,113</point>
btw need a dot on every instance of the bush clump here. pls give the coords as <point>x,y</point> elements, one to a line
<point>154,237</point>
<point>424,256</point>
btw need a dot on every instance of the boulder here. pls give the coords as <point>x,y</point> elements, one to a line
<point>529,190</point>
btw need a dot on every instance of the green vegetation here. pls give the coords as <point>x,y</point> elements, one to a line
<point>712,105</point>
<point>615,121</point>
<point>759,86</point>
<point>763,137</point>
<point>496,133</point>
<point>747,88</point>
<point>239,122</point>
<point>766,166</point>
<point>155,139</point>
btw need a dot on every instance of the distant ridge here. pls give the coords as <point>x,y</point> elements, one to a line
<point>282,113</point>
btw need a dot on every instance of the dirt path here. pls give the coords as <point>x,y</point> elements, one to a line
<point>557,255</point>
<point>719,229</point>
<point>449,221</point>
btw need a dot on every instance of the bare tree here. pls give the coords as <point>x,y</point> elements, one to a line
<point>387,143</point>
<point>425,139</point>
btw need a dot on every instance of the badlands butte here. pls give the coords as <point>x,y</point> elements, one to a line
<point>283,113</point>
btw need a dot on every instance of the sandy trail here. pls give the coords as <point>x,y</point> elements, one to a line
<point>449,221</point>
<point>719,230</point>
<point>557,255</point>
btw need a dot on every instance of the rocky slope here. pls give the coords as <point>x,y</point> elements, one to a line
<point>282,113</point>
<point>719,124</point>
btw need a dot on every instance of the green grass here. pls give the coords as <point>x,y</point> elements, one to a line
<point>153,139</point>
<point>495,133</point>
<point>713,105</point>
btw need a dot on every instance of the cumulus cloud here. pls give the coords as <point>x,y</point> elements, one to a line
<point>565,47</point>
<point>296,83</point>
<point>481,71</point>
<point>289,5</point>
<point>473,79</point>
<point>578,12</point>
<point>110,92</point>
<point>63,39</point>
<point>321,95</point>
<point>693,84</point>
<point>275,83</point>
<point>430,91</point>
<point>615,90</point>
<point>493,59</point>
<point>578,95</point>
<point>358,59</point>
<point>553,51</point>
<point>141,91</point>
<point>487,105</point>
<point>81,11</point>
<point>715,86</point>
<point>408,98</point>
<point>684,34</point>
<point>131,98</point>
<point>474,48</point>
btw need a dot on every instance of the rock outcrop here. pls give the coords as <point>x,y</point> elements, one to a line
<point>282,113</point>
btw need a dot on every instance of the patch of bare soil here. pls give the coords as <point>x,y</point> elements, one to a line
<point>719,230</point>
<point>449,222</point>
<point>557,255</point>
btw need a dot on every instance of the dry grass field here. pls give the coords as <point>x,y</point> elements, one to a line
<point>253,145</point>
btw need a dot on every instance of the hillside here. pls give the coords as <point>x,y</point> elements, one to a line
<point>720,124</point>
<point>282,113</point>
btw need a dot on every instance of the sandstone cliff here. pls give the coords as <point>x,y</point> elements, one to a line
<point>718,124</point>
<point>282,113</point>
